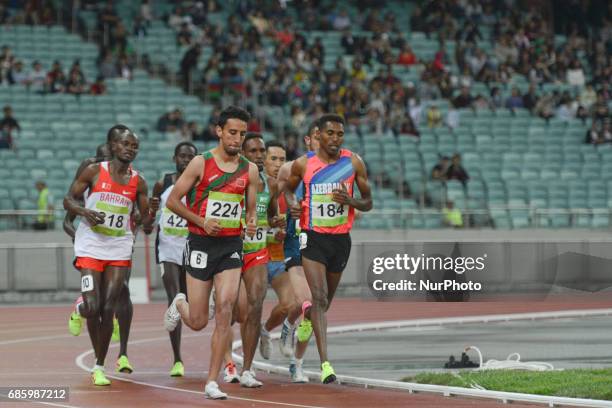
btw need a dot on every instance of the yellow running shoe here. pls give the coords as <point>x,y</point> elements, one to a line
<point>75,324</point>
<point>304,330</point>
<point>327,373</point>
<point>99,378</point>
<point>115,337</point>
<point>123,365</point>
<point>178,370</point>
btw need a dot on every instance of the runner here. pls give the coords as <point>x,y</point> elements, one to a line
<point>123,320</point>
<point>170,242</point>
<point>104,239</point>
<point>277,278</point>
<point>215,184</point>
<point>326,217</point>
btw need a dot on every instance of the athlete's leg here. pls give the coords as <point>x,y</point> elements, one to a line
<point>239,313</point>
<point>256,283</point>
<point>301,290</point>
<point>113,282</point>
<point>124,312</point>
<point>317,281</point>
<point>227,284</point>
<point>195,313</point>
<point>91,285</point>
<point>172,283</point>
<point>286,300</point>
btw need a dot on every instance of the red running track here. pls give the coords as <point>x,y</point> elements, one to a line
<point>36,350</point>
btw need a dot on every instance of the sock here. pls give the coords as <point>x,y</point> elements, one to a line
<point>98,367</point>
<point>264,332</point>
<point>291,326</point>
<point>299,362</point>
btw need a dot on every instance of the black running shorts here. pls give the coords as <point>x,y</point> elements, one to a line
<point>332,250</point>
<point>204,257</point>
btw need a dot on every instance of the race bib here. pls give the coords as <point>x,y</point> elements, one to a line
<point>326,212</point>
<point>198,259</point>
<point>116,219</point>
<point>225,207</point>
<point>257,242</point>
<point>87,283</point>
<point>173,225</point>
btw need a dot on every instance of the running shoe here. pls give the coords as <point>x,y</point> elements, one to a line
<point>99,378</point>
<point>327,373</point>
<point>75,324</point>
<point>287,339</point>
<point>265,344</point>
<point>304,330</point>
<point>212,391</point>
<point>231,373</point>
<point>297,375</point>
<point>178,370</point>
<point>172,315</point>
<point>248,380</point>
<point>123,365</point>
<point>116,336</point>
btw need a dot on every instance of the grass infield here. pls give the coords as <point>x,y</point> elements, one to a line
<point>576,383</point>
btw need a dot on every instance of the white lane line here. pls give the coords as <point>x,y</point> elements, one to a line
<point>81,357</point>
<point>39,338</point>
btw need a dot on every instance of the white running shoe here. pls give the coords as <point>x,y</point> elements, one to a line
<point>212,391</point>
<point>265,344</point>
<point>248,379</point>
<point>230,374</point>
<point>297,374</point>
<point>211,305</point>
<point>172,315</point>
<point>286,342</point>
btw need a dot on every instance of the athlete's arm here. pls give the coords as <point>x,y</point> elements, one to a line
<point>142,200</point>
<point>273,217</point>
<point>251,200</point>
<point>293,180</point>
<point>189,178</point>
<point>341,196</point>
<point>155,200</point>
<point>74,203</point>
<point>68,224</point>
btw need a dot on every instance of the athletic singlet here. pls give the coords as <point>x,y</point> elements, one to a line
<point>275,248</point>
<point>172,231</point>
<point>319,212</point>
<point>113,240</point>
<point>293,225</point>
<point>258,242</point>
<point>219,195</point>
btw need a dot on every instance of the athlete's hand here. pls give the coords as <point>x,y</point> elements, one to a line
<point>211,226</point>
<point>251,228</point>
<point>93,217</point>
<point>154,204</point>
<point>341,195</point>
<point>296,211</point>
<point>280,235</point>
<point>278,222</point>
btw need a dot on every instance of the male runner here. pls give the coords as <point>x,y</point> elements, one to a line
<point>326,217</point>
<point>275,158</point>
<point>293,261</point>
<point>215,184</point>
<point>124,312</point>
<point>171,238</point>
<point>104,239</point>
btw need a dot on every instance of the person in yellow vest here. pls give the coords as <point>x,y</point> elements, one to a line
<point>452,216</point>
<point>44,220</point>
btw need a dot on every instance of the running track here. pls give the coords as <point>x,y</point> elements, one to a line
<point>36,350</point>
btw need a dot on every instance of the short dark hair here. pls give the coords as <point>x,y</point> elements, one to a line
<point>329,117</point>
<point>313,125</point>
<point>189,144</point>
<point>232,112</point>
<point>115,131</point>
<point>250,136</point>
<point>274,143</point>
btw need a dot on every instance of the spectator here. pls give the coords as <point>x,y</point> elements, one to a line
<point>98,87</point>
<point>438,172</point>
<point>593,136</point>
<point>588,97</point>
<point>456,171</point>
<point>146,12</point>
<point>582,114</point>
<point>124,68</point>
<point>349,43</point>
<point>406,56</point>
<point>607,132</point>
<point>108,68</point>
<point>434,116</point>
<point>75,85</point>
<point>575,74</point>
<point>19,76</point>
<point>514,101</point>
<point>44,220</point>
<point>56,80</point>
<point>188,64</point>
<point>183,37</point>
<point>600,109</point>
<point>341,21</point>
<point>496,98</point>
<point>38,77</point>
<point>464,99</point>
<point>192,132</point>
<point>6,65</point>
<point>530,99</point>
<point>544,107</point>
<point>564,110</point>
<point>8,125</point>
<point>171,122</point>
<point>292,147</point>
<point>452,216</point>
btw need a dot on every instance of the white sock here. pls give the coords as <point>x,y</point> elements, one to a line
<point>264,332</point>
<point>289,324</point>
<point>299,362</point>
<point>98,367</point>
